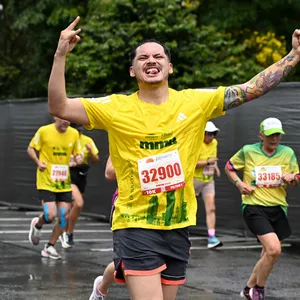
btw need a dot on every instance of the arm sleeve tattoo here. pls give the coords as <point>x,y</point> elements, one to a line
<point>259,85</point>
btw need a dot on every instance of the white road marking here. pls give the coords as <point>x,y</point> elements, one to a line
<point>197,238</point>
<point>233,247</point>
<point>78,224</point>
<point>28,219</point>
<point>102,250</point>
<point>236,247</point>
<point>15,219</point>
<point>48,231</point>
<point>45,241</point>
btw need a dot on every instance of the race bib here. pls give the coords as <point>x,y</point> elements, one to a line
<point>209,170</point>
<point>59,172</point>
<point>161,173</point>
<point>268,176</point>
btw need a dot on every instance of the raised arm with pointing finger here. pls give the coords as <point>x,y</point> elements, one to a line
<point>59,103</point>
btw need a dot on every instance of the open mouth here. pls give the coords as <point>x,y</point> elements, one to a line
<point>152,70</point>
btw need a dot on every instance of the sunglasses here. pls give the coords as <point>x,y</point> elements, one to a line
<point>211,133</point>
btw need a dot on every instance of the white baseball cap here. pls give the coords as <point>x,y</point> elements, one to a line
<point>270,126</point>
<point>210,127</point>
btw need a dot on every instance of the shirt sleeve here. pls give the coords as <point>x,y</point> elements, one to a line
<point>211,101</point>
<point>36,141</point>
<point>237,161</point>
<point>294,167</point>
<point>216,148</point>
<point>77,145</point>
<point>94,148</point>
<point>100,111</point>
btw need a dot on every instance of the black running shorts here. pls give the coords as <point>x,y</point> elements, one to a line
<point>262,220</point>
<point>79,176</point>
<point>140,251</point>
<point>48,196</point>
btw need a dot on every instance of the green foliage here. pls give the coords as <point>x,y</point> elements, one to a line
<point>30,29</point>
<point>212,42</point>
<point>201,55</point>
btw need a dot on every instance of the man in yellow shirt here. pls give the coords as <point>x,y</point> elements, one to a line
<point>79,179</point>
<point>204,183</point>
<point>154,136</point>
<point>55,144</point>
<point>268,168</point>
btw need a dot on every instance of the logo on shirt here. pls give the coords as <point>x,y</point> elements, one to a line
<point>181,117</point>
<point>157,145</point>
<point>59,154</point>
<point>101,100</point>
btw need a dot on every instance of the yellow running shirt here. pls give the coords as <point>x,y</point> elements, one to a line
<point>262,172</point>
<point>154,150</point>
<point>55,149</point>
<point>86,154</point>
<point>206,174</point>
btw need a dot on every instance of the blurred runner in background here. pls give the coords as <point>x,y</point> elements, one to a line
<point>79,180</point>
<point>268,168</point>
<point>55,144</point>
<point>204,184</point>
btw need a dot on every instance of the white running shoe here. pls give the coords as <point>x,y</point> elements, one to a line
<point>50,252</point>
<point>34,233</point>
<point>245,295</point>
<point>95,295</point>
<point>213,242</point>
<point>64,239</point>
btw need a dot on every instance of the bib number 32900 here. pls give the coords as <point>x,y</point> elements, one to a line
<point>161,173</point>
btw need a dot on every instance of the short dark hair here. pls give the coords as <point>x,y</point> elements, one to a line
<point>166,49</point>
<point>78,127</point>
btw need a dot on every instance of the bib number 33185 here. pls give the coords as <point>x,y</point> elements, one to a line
<point>268,176</point>
<point>161,173</point>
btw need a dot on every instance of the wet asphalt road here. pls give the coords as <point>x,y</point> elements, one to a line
<point>212,275</point>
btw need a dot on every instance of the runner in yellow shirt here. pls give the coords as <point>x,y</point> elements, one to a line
<point>204,183</point>
<point>268,168</point>
<point>79,179</point>
<point>55,143</point>
<point>155,136</point>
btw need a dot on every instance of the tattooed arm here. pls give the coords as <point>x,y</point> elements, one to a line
<point>263,82</point>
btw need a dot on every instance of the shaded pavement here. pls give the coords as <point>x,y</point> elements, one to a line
<point>212,275</point>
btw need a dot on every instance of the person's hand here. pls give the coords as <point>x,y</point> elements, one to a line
<point>296,41</point>
<point>79,159</point>
<point>218,172</point>
<point>42,166</point>
<point>88,147</point>
<point>288,178</point>
<point>244,188</point>
<point>72,162</point>
<point>212,160</point>
<point>68,39</point>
